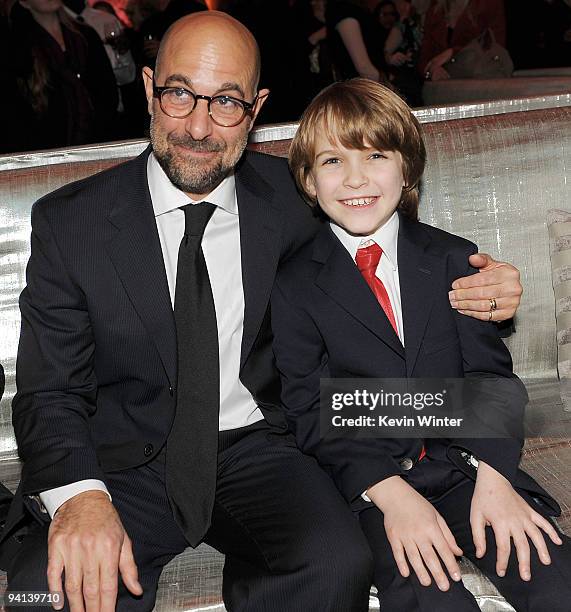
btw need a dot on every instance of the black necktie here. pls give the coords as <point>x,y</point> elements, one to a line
<point>192,445</point>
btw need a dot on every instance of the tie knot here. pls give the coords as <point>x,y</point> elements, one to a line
<point>368,258</point>
<point>196,217</point>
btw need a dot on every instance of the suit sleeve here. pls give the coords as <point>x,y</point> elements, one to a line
<point>302,360</point>
<point>54,374</point>
<point>497,395</point>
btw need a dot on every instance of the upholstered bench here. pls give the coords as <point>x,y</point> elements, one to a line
<point>493,171</point>
<point>522,84</point>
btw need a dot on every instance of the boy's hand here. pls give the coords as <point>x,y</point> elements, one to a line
<point>416,532</point>
<point>496,503</point>
<point>471,295</point>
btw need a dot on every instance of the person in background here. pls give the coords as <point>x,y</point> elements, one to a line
<point>112,35</point>
<point>450,25</point>
<point>312,17</point>
<point>387,15</point>
<point>153,29</point>
<point>64,78</point>
<point>402,49</point>
<point>142,15</point>
<point>12,114</point>
<point>354,39</point>
<point>116,43</point>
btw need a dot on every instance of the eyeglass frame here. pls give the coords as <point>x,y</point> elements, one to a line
<point>248,106</point>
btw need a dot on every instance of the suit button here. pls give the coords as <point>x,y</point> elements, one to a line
<point>171,391</point>
<point>406,463</point>
<point>148,450</point>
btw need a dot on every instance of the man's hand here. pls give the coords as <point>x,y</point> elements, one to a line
<point>416,532</point>
<point>86,540</point>
<point>471,295</point>
<point>497,504</point>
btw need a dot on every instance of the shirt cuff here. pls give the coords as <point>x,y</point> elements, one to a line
<point>365,496</point>
<point>54,498</point>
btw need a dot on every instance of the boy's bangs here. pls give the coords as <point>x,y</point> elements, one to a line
<point>354,124</point>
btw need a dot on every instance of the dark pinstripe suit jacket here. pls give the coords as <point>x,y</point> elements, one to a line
<point>96,369</point>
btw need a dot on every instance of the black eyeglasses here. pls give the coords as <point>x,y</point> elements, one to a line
<point>178,102</point>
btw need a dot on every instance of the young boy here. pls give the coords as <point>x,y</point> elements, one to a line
<point>369,298</point>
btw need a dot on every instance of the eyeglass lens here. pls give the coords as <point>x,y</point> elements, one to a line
<point>180,103</point>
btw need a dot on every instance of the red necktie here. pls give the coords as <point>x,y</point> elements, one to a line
<point>367,259</point>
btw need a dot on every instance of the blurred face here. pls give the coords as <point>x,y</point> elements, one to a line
<point>358,189</point>
<point>388,16</point>
<point>196,153</point>
<point>318,7</point>
<point>404,8</point>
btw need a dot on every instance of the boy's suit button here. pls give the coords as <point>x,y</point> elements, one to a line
<point>406,463</point>
<point>171,391</point>
<point>148,450</point>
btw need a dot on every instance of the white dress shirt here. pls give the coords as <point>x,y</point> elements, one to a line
<point>221,247</point>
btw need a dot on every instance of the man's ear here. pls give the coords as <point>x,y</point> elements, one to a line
<point>262,97</point>
<point>148,81</point>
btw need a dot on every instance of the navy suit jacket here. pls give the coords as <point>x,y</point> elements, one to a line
<point>327,323</point>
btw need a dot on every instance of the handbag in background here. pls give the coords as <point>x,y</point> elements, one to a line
<point>481,58</point>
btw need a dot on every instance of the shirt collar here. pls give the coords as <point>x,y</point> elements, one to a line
<point>386,237</point>
<point>166,197</point>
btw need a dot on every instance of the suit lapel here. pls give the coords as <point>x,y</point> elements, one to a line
<point>342,281</point>
<point>136,253</point>
<point>260,229</point>
<point>416,286</point>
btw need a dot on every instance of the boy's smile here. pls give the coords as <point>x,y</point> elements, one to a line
<point>358,189</point>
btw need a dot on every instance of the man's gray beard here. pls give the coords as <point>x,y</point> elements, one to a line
<point>193,179</point>
<point>201,181</point>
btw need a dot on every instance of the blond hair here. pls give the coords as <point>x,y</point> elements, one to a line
<point>359,113</point>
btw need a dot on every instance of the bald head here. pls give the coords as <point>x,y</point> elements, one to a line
<point>204,58</point>
<point>214,34</point>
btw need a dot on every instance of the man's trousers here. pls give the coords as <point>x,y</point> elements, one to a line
<point>291,543</point>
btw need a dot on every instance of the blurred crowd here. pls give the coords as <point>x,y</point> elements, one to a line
<point>72,69</point>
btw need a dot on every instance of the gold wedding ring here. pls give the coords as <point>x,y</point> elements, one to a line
<point>493,304</point>
<point>490,315</point>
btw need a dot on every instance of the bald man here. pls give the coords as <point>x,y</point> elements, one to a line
<point>147,414</point>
